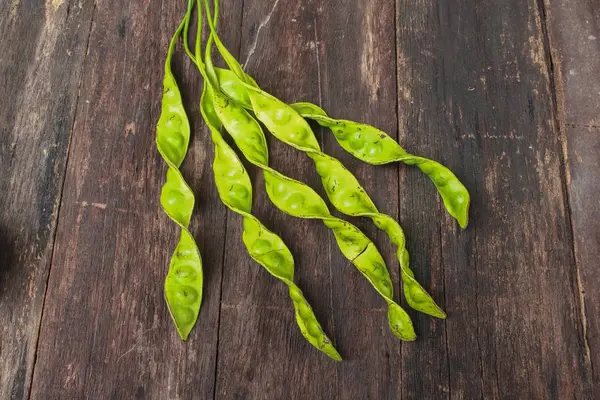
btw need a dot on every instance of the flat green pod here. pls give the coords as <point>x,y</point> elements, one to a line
<point>341,186</point>
<point>244,129</point>
<point>376,147</point>
<point>235,190</point>
<point>184,281</point>
<point>364,142</point>
<point>294,197</point>
<point>263,246</point>
<point>371,265</point>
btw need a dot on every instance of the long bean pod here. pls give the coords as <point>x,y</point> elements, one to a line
<point>183,284</point>
<point>299,200</point>
<point>341,186</point>
<point>368,144</point>
<point>376,147</point>
<point>263,246</point>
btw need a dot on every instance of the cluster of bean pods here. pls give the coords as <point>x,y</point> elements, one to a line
<point>233,102</point>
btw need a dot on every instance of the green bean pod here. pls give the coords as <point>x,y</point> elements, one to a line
<point>342,188</point>
<point>376,147</point>
<point>299,200</point>
<point>263,246</point>
<point>368,144</point>
<point>183,284</point>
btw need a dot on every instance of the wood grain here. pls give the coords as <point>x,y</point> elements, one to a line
<point>40,68</point>
<point>262,353</point>
<point>574,34</point>
<point>106,332</point>
<point>503,93</point>
<point>474,92</point>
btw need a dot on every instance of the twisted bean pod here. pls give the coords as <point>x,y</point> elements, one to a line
<point>368,144</point>
<point>374,146</point>
<point>299,200</point>
<point>183,284</point>
<point>342,188</point>
<point>263,246</point>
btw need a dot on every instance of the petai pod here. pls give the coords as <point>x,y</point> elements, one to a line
<point>299,200</point>
<point>368,144</point>
<point>342,188</point>
<point>265,247</point>
<point>183,284</point>
<point>374,146</point>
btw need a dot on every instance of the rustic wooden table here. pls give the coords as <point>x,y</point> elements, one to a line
<point>506,93</point>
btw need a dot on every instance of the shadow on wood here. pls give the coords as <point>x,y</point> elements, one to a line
<point>7,255</point>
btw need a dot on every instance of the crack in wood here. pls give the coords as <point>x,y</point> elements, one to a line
<point>59,198</point>
<point>263,23</point>
<point>555,89</point>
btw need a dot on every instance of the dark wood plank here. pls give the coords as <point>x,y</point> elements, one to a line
<point>262,353</point>
<point>42,53</point>
<point>477,86</point>
<point>574,31</point>
<point>358,80</point>
<point>474,92</point>
<point>106,331</point>
<point>297,52</point>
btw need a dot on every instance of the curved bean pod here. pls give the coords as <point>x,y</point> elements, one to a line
<point>374,146</point>
<point>299,200</point>
<point>183,284</point>
<point>342,188</point>
<point>263,246</point>
<point>368,144</point>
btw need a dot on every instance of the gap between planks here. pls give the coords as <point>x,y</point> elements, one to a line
<point>556,91</point>
<point>60,195</point>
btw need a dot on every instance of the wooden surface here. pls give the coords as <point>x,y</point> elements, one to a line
<point>505,93</point>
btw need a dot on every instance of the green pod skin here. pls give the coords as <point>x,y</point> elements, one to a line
<point>263,246</point>
<point>183,284</point>
<point>342,188</point>
<point>299,200</point>
<point>368,144</point>
<point>376,147</point>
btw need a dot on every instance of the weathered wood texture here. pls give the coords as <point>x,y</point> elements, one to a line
<point>261,351</point>
<point>474,92</point>
<point>41,53</point>
<point>106,331</point>
<point>485,87</point>
<point>574,30</point>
